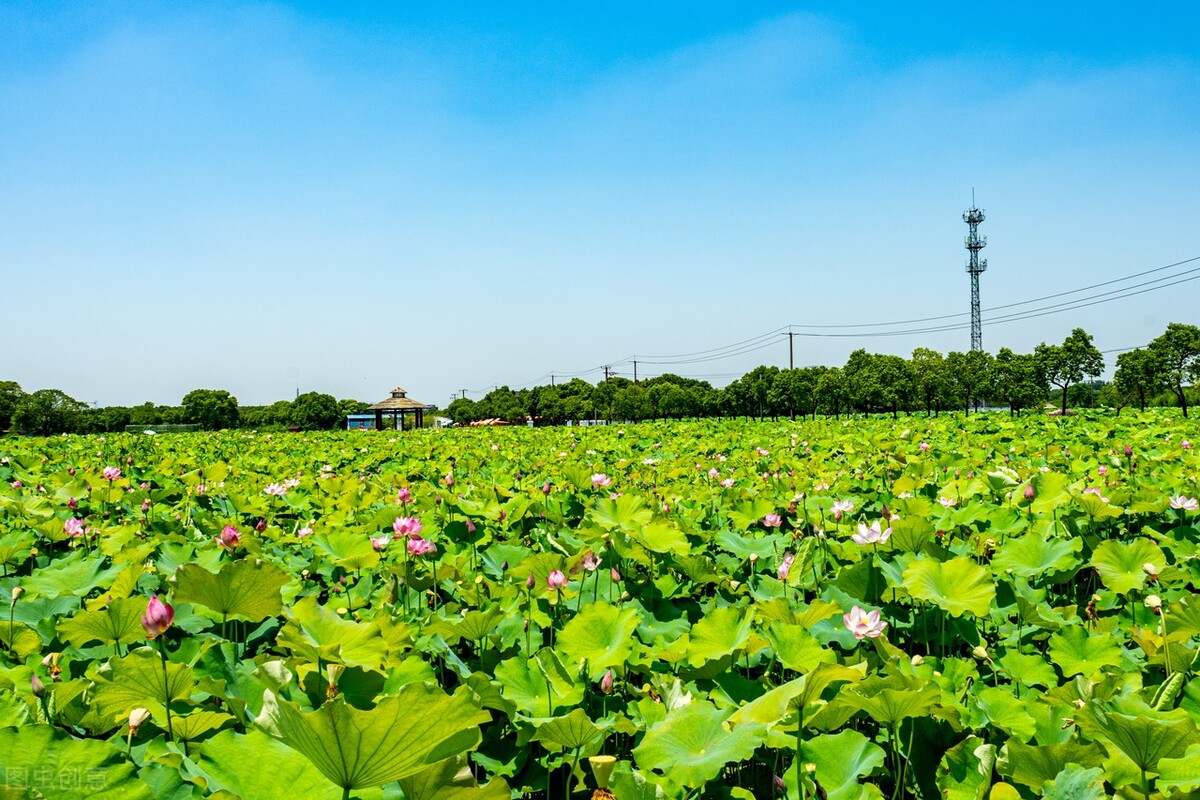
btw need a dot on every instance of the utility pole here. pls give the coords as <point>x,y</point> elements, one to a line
<point>551,379</point>
<point>791,349</point>
<point>975,267</point>
<point>606,369</point>
<point>635,371</point>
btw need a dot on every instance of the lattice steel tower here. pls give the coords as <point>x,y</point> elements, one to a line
<point>973,216</point>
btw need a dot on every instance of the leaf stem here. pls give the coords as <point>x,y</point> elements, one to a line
<point>162,650</point>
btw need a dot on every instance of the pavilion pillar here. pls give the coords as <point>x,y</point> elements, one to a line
<point>378,419</point>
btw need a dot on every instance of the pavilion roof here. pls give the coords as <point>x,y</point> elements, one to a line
<point>398,404</point>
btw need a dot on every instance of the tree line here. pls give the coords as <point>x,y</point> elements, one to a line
<point>928,381</point>
<point>1162,373</point>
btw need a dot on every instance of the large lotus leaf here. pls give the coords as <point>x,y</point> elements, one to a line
<point>965,772</point>
<point>139,680</point>
<point>841,759</point>
<point>796,648</point>
<point>1028,669</point>
<point>1144,738</point>
<point>401,736</point>
<point>234,762</point>
<point>1076,783</point>
<point>1077,652</point>
<point>1120,563</point>
<point>318,634</point>
<point>245,589</point>
<point>1034,765</point>
<point>748,514</point>
<point>451,780</point>
<point>19,638</point>
<point>1050,492</point>
<point>538,685</point>
<point>348,549</point>
<point>13,710</point>
<point>628,512</point>
<point>892,699</point>
<point>721,632</point>
<point>693,744</point>
<point>779,703</point>
<point>957,586</point>
<point>662,537</point>
<point>1182,772</point>
<point>1032,555</point>
<point>742,547</point>
<point>75,574</point>
<point>62,767</point>
<point>117,623</point>
<point>198,723</point>
<point>601,634</point>
<point>1004,711</point>
<point>573,731</point>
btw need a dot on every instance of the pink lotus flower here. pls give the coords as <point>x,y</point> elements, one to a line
<point>16,484</point>
<point>1185,444</point>
<point>471,525</point>
<point>407,526</point>
<point>305,531</point>
<point>772,521</point>
<point>1095,491</point>
<point>871,535</point>
<point>546,488</point>
<point>145,505</point>
<point>947,502</point>
<point>614,575</point>
<point>158,617</point>
<point>727,483</point>
<point>111,473</point>
<point>201,489</point>
<point>73,527</point>
<point>785,566</point>
<point>421,547</point>
<point>924,447</point>
<point>556,579</point>
<point>714,473</point>
<point>762,452</point>
<point>378,544</point>
<point>229,538</point>
<point>591,562</point>
<point>863,624</point>
<point>602,481</point>
<point>1102,470</point>
<point>1182,503</point>
<point>841,507</point>
<point>275,489</point>
<point>448,480</point>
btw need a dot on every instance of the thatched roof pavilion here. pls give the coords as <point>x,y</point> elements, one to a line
<point>398,406</point>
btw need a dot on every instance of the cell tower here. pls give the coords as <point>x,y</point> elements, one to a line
<point>973,216</point>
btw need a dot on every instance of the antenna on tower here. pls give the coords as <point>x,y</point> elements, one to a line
<point>973,216</point>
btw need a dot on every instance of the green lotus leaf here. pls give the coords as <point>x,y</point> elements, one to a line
<point>721,632</point>
<point>1182,772</point>
<point>661,537</point>
<point>694,743</point>
<point>139,680</point>
<point>1004,711</point>
<point>451,780</point>
<point>1050,492</point>
<point>841,759</point>
<point>890,700</point>
<point>245,589</point>
<point>75,574</point>
<point>796,648</point>
<point>799,694</point>
<point>1035,765</point>
<point>1077,652</point>
<point>13,710</point>
<point>349,550</point>
<point>538,685</point>
<point>956,586</point>
<point>1120,563</point>
<point>748,514</point>
<point>1144,738</point>
<point>198,723</point>
<point>965,772</point>
<point>1076,783</point>
<point>628,512</point>
<point>1028,669</point>
<point>1031,555</point>
<point>19,638</point>
<point>742,547</point>
<point>601,634</point>
<point>117,623</point>
<point>233,762</point>
<point>573,731</point>
<point>62,767</point>
<point>318,634</point>
<point>401,736</point>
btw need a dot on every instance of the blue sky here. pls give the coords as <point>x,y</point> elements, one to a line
<point>341,197</point>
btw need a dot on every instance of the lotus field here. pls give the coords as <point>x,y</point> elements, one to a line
<point>935,608</point>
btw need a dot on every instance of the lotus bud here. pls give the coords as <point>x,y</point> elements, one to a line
<point>1150,571</point>
<point>16,593</point>
<point>260,526</point>
<point>616,576</point>
<point>780,784</point>
<point>606,682</point>
<point>556,579</point>
<point>1154,603</point>
<point>158,617</point>
<point>39,688</point>
<point>918,660</point>
<point>546,488</point>
<point>504,567</point>
<point>980,652</point>
<point>136,718</point>
<point>1128,451</point>
<point>71,471</point>
<point>72,504</point>
<point>753,558</point>
<point>334,674</point>
<point>1029,493</point>
<point>530,581</point>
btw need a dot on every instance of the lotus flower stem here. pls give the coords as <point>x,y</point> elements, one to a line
<point>162,649</point>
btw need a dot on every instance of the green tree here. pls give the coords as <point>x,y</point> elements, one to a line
<point>10,396</point>
<point>314,411</point>
<point>1178,354</point>
<point>929,377</point>
<point>1070,362</point>
<point>348,407</point>
<point>1017,379</point>
<point>1139,373</point>
<point>969,374</point>
<point>211,409</point>
<point>47,412</point>
<point>831,389</point>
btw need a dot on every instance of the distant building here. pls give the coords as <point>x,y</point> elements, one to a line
<point>398,406</point>
<point>360,422</point>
